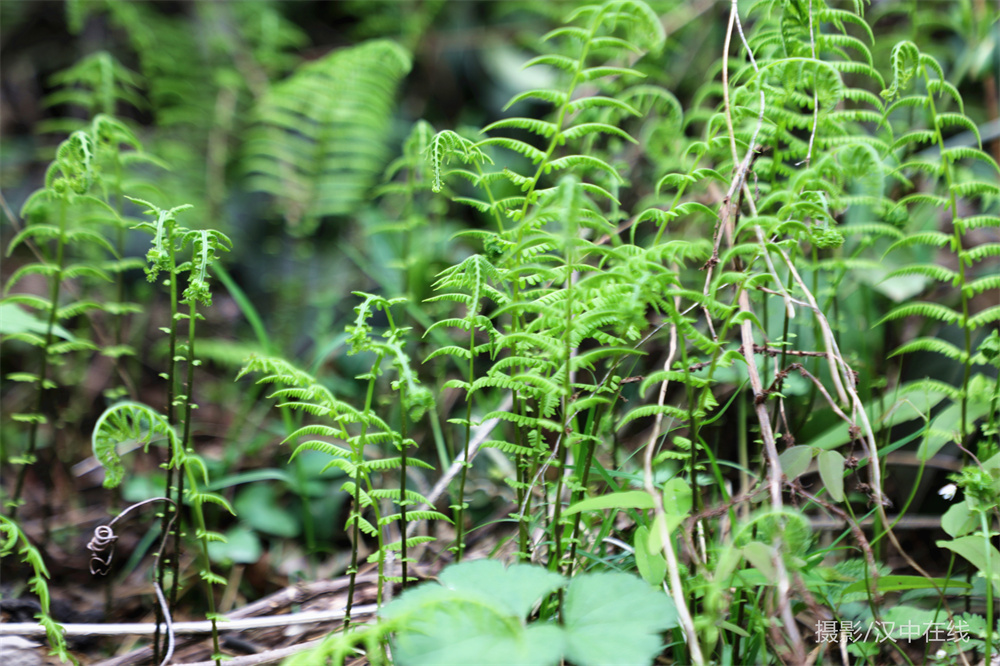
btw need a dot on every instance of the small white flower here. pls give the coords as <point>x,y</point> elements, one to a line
<point>940,654</point>
<point>948,491</point>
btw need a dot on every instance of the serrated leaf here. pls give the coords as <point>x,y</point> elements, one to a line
<point>615,618</point>
<point>517,588</point>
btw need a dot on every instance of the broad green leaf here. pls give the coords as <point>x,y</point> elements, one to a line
<point>17,320</point>
<point>677,497</point>
<point>975,549</point>
<point>445,627</point>
<point>795,461</point>
<point>908,623</point>
<point>627,499</point>
<point>615,618</point>
<point>260,508</point>
<point>946,425</point>
<point>242,546</point>
<point>958,520</point>
<point>652,566</point>
<point>831,470</point>
<point>517,588</point>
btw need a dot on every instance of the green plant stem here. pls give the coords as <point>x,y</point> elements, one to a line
<point>358,453</point>
<point>206,563</point>
<point>173,494</point>
<point>460,504</point>
<point>403,501</point>
<point>984,526</point>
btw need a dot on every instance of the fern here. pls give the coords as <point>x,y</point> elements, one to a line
<point>300,390</point>
<point>69,223</point>
<point>911,66</point>
<point>320,136</point>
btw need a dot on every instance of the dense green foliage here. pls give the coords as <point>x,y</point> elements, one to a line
<point>695,291</point>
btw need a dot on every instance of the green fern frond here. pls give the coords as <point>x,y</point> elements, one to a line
<point>929,238</point>
<point>126,421</point>
<point>321,135</point>
<point>977,222</point>
<point>652,410</point>
<point>983,284</point>
<point>412,515</point>
<point>926,310</point>
<point>933,271</point>
<point>975,188</point>
<point>957,153</point>
<point>935,345</point>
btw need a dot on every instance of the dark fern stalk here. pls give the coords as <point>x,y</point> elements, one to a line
<point>162,257</point>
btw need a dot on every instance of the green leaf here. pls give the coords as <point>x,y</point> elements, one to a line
<point>443,627</point>
<point>958,520</point>
<point>15,320</point>
<point>517,588</point>
<point>898,583</point>
<point>677,503</point>
<point>759,555</point>
<point>831,470</point>
<point>259,506</point>
<point>975,550</point>
<point>652,566</point>
<point>795,461</point>
<point>615,618</point>
<point>627,499</point>
<point>242,546</point>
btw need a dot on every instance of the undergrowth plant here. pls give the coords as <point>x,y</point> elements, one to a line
<point>359,430</point>
<point>68,225</point>
<point>186,473</point>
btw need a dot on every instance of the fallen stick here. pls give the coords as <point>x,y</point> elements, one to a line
<point>187,628</point>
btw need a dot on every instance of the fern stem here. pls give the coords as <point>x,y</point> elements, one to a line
<point>206,563</point>
<point>402,484</point>
<point>460,510</point>
<point>172,493</point>
<point>358,452</point>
